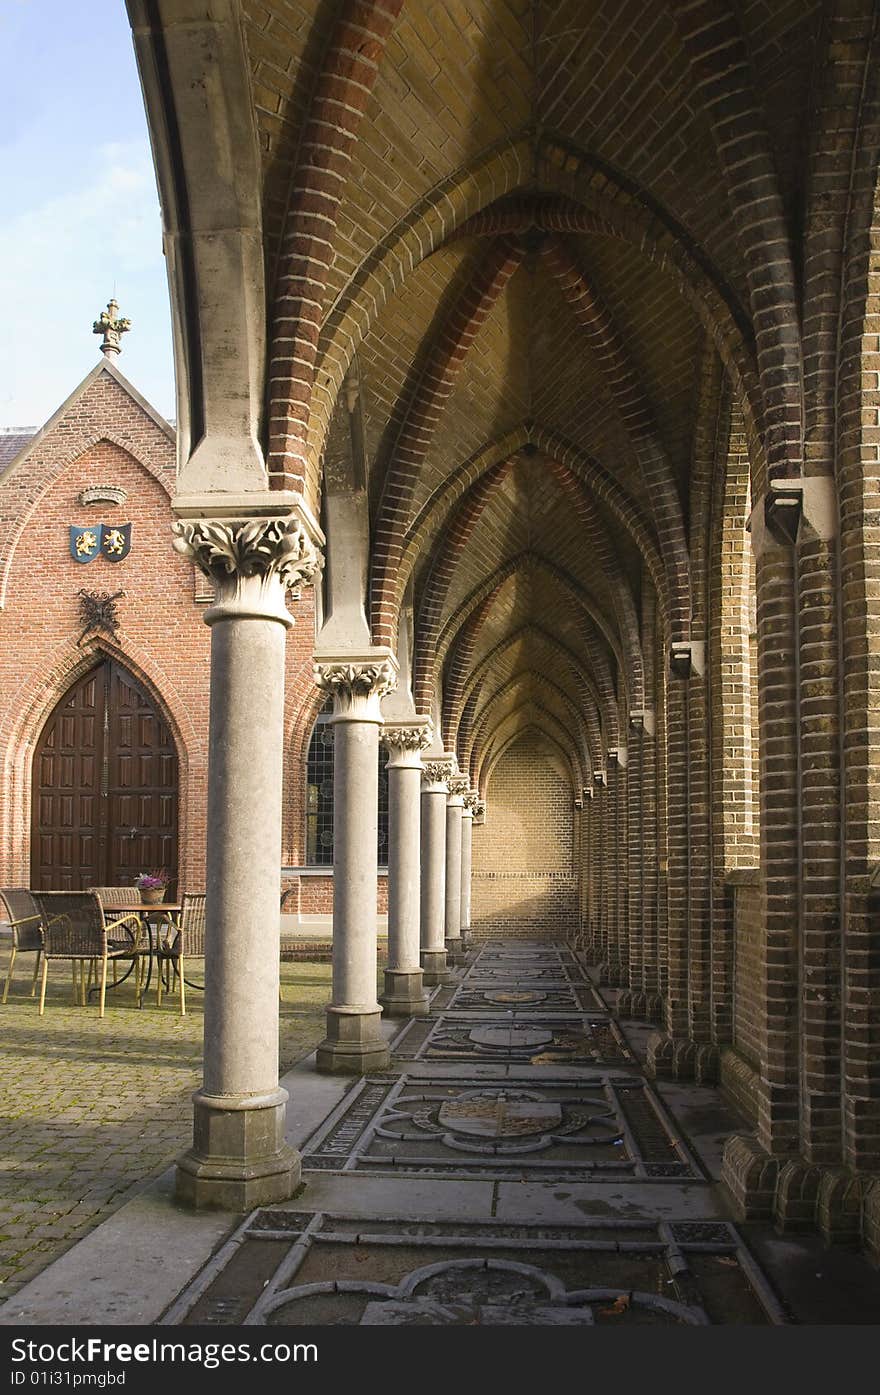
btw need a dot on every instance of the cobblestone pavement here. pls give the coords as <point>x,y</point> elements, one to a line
<point>90,1110</point>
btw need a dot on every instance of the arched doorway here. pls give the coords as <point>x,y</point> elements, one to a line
<point>104,804</point>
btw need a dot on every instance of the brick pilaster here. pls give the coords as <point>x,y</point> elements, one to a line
<point>820,813</point>
<point>778,1104</point>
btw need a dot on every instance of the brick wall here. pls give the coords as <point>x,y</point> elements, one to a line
<point>106,436</point>
<point>312,894</point>
<point>523,860</point>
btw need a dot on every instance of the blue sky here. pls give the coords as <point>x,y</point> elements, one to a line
<point>80,213</point>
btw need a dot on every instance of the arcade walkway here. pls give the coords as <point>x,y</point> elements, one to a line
<point>514,1167</point>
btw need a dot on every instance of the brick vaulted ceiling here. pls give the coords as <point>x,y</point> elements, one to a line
<point>527,232</point>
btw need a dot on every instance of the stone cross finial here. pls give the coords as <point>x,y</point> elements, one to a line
<point>112,327</point>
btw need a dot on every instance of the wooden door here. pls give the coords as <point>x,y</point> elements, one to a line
<point>105,787</point>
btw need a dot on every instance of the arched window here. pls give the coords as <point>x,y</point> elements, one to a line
<point>319,796</point>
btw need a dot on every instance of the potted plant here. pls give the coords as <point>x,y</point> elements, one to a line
<point>151,886</point>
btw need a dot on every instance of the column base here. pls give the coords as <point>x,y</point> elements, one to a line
<point>455,951</point>
<point>434,971</point>
<point>404,994</point>
<point>796,1196</point>
<point>871,1222</point>
<point>614,974</point>
<point>354,1044</point>
<point>239,1158</point>
<point>635,1002</point>
<point>814,1196</point>
<point>680,1058</point>
<point>750,1176</point>
<point>842,1211</point>
<point>800,1196</point>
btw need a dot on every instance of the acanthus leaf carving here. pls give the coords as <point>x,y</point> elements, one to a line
<point>356,686</point>
<point>408,738</point>
<point>266,548</point>
<point>438,772</point>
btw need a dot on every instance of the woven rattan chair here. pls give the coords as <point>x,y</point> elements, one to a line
<point>111,896</point>
<point>75,929</point>
<point>24,920</point>
<point>179,941</point>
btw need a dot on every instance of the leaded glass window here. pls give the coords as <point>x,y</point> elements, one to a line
<point>319,796</point>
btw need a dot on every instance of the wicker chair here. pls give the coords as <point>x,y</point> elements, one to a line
<point>25,930</point>
<point>111,896</point>
<point>74,928</point>
<point>178,942</point>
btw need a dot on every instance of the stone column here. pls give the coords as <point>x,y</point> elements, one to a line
<point>458,788</point>
<point>404,994</point>
<point>433,880</point>
<point>471,800</point>
<point>354,1043</point>
<point>239,1158</point>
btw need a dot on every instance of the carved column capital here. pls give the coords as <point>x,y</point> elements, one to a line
<point>405,743</point>
<point>458,788</point>
<point>471,800</point>
<point>357,684</point>
<point>252,562</point>
<point>413,738</point>
<point>480,812</point>
<point>437,773</point>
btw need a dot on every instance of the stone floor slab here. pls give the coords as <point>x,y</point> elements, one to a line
<point>611,1127</point>
<point>292,1269</point>
<point>526,1181</point>
<point>528,1038</point>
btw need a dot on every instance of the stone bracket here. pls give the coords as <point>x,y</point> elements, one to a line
<point>783,508</point>
<point>790,504</point>
<point>643,719</point>
<point>687,658</point>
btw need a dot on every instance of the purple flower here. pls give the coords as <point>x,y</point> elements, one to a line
<point>151,881</point>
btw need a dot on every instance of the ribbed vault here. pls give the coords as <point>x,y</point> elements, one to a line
<point>512,240</point>
<point>559,318</point>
